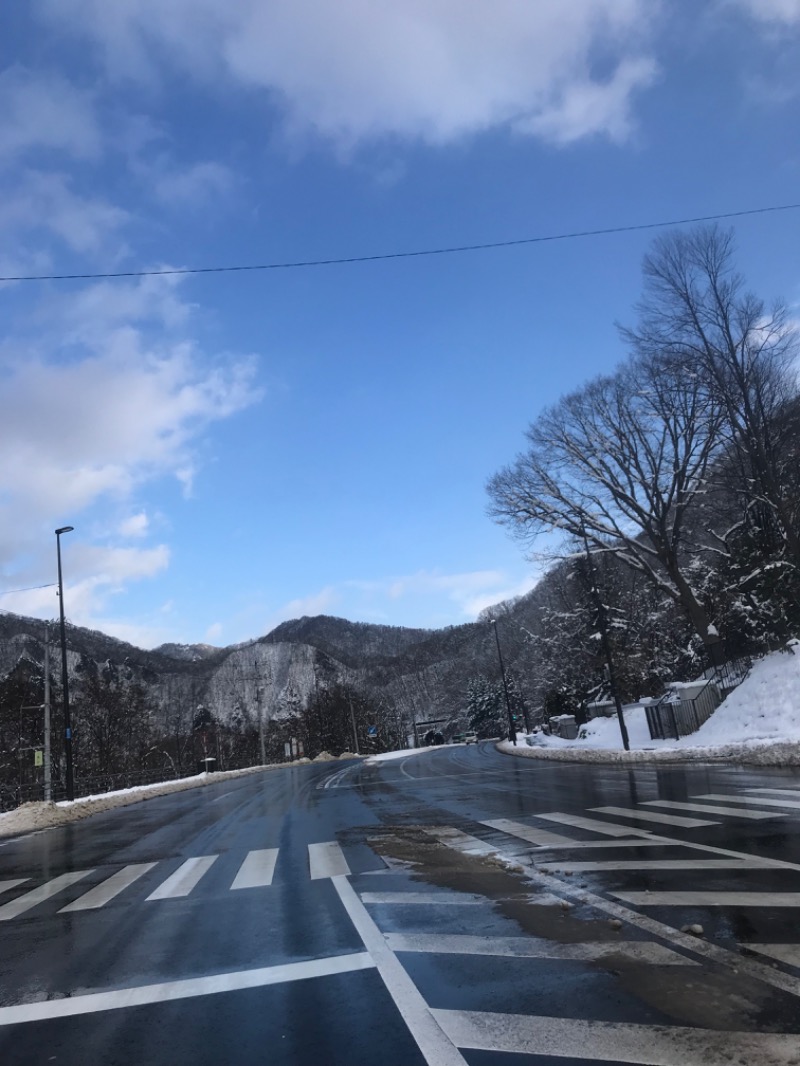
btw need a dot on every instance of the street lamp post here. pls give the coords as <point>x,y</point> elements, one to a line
<point>512,730</point>
<point>64,679</point>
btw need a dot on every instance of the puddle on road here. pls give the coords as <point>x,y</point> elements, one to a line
<point>705,995</point>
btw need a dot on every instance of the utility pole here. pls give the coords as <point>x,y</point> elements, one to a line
<point>512,729</point>
<point>602,624</point>
<point>353,723</point>
<point>64,676</point>
<point>48,773</point>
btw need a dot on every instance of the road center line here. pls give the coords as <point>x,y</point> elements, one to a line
<point>165,991</point>
<point>436,1048</point>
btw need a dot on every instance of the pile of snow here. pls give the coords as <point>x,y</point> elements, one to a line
<point>759,722</point>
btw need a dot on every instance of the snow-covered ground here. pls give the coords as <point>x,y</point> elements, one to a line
<point>759,722</point>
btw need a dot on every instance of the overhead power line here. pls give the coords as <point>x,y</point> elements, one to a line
<point>30,588</point>
<point>418,253</point>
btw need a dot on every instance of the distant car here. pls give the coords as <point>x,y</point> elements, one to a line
<point>471,738</point>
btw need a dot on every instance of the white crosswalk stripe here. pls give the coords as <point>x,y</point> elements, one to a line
<point>788,953</point>
<point>108,889</point>
<point>594,825</point>
<point>257,870</point>
<point>6,886</point>
<point>452,899</point>
<point>651,816</point>
<point>38,895</point>
<point>326,860</point>
<point>185,878</point>
<point>706,808</point>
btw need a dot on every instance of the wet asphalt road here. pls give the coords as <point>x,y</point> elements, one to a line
<point>454,907</point>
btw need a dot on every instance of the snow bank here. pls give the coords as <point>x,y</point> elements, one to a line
<point>758,723</point>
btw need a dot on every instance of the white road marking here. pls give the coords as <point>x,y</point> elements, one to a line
<point>460,899</point>
<point>185,878</point>
<point>542,837</point>
<point>335,780</point>
<point>327,860</point>
<point>108,889</point>
<point>710,899</point>
<point>6,886</point>
<point>706,808</point>
<point>780,791</point>
<point>651,816</point>
<point>595,825</point>
<point>39,895</point>
<point>617,1042</point>
<point>639,842</point>
<point>520,947</point>
<point>755,800</point>
<point>257,870</point>
<point>186,989</point>
<point>436,1048</point>
<point>788,953</point>
<point>466,843</point>
<point>654,864</point>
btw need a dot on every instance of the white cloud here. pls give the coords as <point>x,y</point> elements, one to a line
<point>91,412</point>
<point>436,70</point>
<point>191,186</point>
<point>214,632</point>
<point>136,525</point>
<point>43,111</point>
<point>36,201</point>
<point>772,10</point>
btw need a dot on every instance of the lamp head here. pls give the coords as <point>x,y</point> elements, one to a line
<point>64,529</point>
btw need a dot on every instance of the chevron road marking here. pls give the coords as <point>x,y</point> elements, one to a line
<point>108,889</point>
<point>520,947</point>
<point>541,837</point>
<point>39,895</point>
<point>6,886</point>
<point>257,870</point>
<point>651,816</point>
<point>657,1045</point>
<point>705,808</point>
<point>710,899</point>
<point>185,878</point>
<point>792,804</point>
<point>788,953</point>
<point>655,864</point>
<point>594,825</point>
<point>459,899</point>
<point>327,860</point>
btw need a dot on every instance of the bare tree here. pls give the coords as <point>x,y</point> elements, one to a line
<point>620,462</point>
<point>696,312</point>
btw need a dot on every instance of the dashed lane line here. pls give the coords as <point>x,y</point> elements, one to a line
<point>617,1042</point>
<point>165,991</point>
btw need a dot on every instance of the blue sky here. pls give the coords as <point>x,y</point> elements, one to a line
<point>237,449</point>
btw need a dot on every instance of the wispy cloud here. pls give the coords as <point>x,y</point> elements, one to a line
<point>43,111</point>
